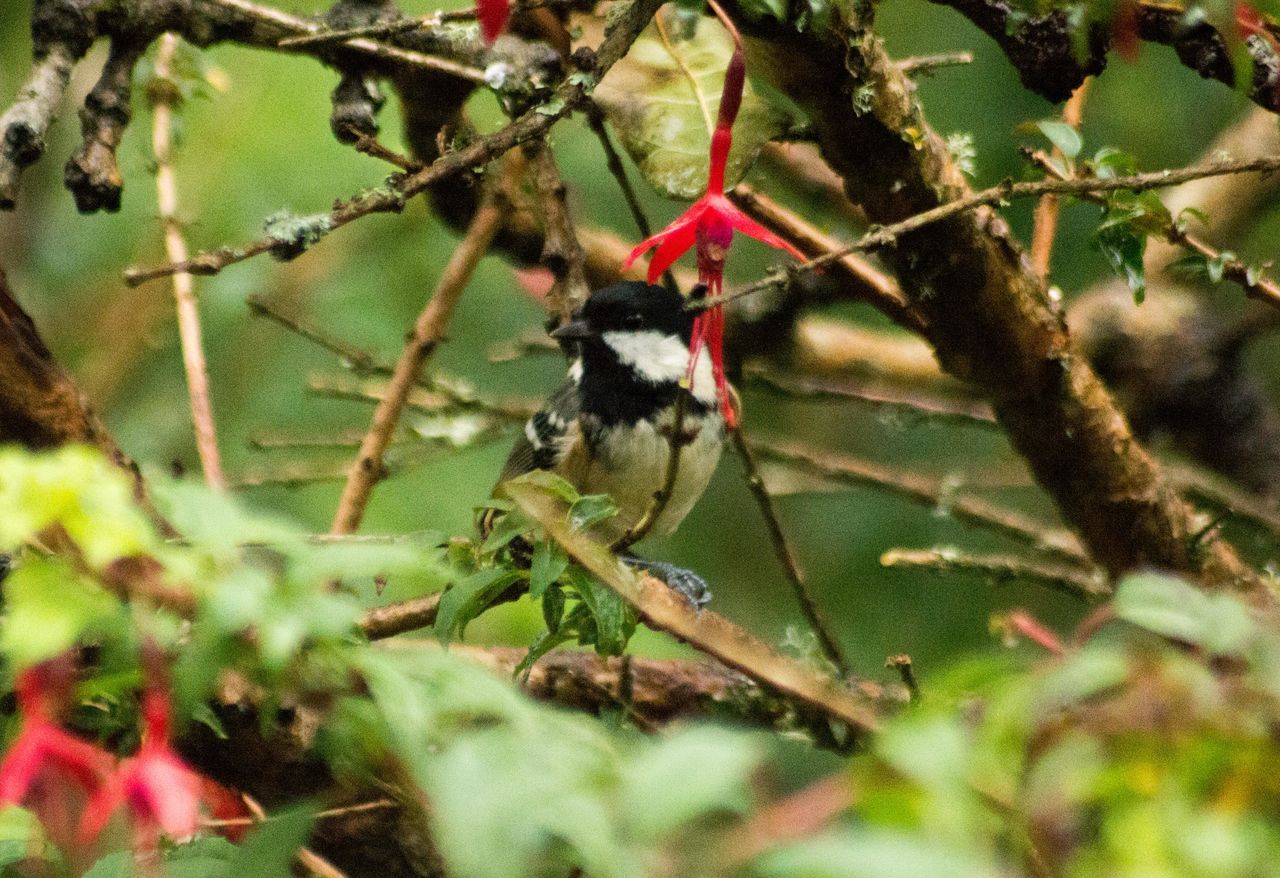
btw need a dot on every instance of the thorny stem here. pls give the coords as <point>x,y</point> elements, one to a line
<point>427,332</point>
<point>397,191</point>
<point>786,555</point>
<point>188,309</point>
<point>1045,228</point>
<point>1081,186</point>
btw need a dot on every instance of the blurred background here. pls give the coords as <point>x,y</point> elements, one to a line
<point>260,142</point>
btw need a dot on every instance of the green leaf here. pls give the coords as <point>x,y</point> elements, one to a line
<point>1170,607</point>
<point>665,116</point>
<point>591,510</point>
<point>696,773</point>
<point>507,528</point>
<point>549,562</point>
<point>872,854</point>
<point>615,621</point>
<point>49,607</point>
<point>545,642</point>
<point>271,848</point>
<point>209,857</point>
<point>1066,138</point>
<point>467,599</point>
<point>1124,250</point>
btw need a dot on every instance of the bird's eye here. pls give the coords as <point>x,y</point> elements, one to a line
<point>632,321</point>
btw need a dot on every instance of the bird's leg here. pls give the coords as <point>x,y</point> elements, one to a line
<point>679,579</point>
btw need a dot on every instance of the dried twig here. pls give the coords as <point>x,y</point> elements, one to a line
<point>623,30</point>
<point>426,335</point>
<point>317,864</point>
<point>932,493</point>
<point>175,246</point>
<point>885,236</point>
<point>1045,228</point>
<point>561,251</point>
<point>865,280</point>
<point>1001,569</point>
<point>929,63</point>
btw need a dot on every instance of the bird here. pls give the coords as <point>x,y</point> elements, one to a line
<point>608,428</point>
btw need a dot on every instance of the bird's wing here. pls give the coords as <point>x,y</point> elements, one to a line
<point>542,444</point>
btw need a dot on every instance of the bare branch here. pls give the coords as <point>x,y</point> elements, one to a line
<point>398,190</point>
<point>175,245</point>
<point>426,335</point>
<point>1001,569</point>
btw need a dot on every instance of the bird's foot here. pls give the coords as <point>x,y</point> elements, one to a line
<point>679,579</point>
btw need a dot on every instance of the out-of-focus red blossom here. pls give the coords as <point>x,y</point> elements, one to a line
<point>1124,30</point>
<point>47,768</point>
<point>492,15</point>
<point>161,793</point>
<point>709,224</point>
<point>1034,630</point>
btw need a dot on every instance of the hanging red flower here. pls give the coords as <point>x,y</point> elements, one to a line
<point>161,793</point>
<point>709,224</point>
<point>46,767</point>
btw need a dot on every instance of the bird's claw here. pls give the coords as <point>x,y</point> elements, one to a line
<point>679,579</point>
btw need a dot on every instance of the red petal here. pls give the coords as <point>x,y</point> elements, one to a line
<point>748,226</point>
<point>493,17</point>
<point>104,803</point>
<point>21,765</point>
<point>164,791</point>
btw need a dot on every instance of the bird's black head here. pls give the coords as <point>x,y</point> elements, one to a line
<point>631,306</point>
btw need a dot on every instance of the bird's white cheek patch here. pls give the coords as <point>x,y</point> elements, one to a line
<point>661,359</point>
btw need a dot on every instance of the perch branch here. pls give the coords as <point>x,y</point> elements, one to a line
<point>705,630</point>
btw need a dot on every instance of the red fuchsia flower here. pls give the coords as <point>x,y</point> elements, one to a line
<point>709,224</point>
<point>492,15</point>
<point>161,793</point>
<point>47,768</point>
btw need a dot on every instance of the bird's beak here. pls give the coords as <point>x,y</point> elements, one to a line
<point>574,330</point>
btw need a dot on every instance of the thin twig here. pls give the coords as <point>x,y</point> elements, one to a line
<point>933,493</point>
<point>175,246</point>
<point>427,333</point>
<point>303,27</point>
<point>613,161</point>
<point>938,408</point>
<point>1045,228</point>
<point>906,672</point>
<point>867,282</point>
<point>307,857</point>
<point>408,615</point>
<point>678,440</point>
<point>327,814</point>
<point>786,555</point>
<point>1001,569</point>
<point>392,197</point>
<point>885,236</point>
<point>929,63</point>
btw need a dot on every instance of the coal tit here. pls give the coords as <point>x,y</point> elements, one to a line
<point>607,429</point>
